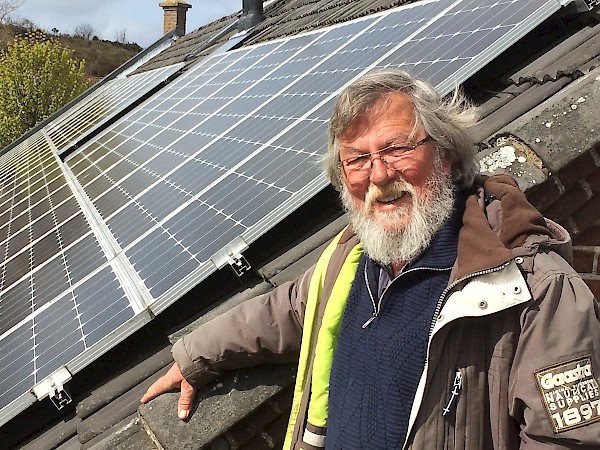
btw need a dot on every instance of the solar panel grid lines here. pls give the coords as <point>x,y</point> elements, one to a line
<point>16,210</point>
<point>82,117</point>
<point>129,282</point>
<point>153,105</point>
<point>10,211</point>
<point>55,339</point>
<point>30,278</point>
<point>47,251</point>
<point>467,37</point>
<point>60,128</point>
<point>205,70</point>
<point>71,329</point>
<point>103,103</point>
<point>193,95</point>
<point>533,14</point>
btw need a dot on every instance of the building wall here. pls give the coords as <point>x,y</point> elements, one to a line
<point>571,197</point>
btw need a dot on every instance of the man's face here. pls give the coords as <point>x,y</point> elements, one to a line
<point>390,125</point>
<point>395,211</point>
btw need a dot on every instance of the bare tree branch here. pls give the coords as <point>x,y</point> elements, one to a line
<point>7,7</point>
<point>121,36</point>
<point>84,30</point>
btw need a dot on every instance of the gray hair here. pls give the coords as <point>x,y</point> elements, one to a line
<point>446,120</point>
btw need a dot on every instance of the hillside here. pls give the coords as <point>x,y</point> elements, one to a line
<point>101,57</point>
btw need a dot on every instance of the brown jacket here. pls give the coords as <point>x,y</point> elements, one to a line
<point>518,323</point>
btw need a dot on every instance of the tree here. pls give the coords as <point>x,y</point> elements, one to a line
<point>37,77</point>
<point>7,7</point>
<point>121,36</point>
<point>84,30</point>
<point>26,24</point>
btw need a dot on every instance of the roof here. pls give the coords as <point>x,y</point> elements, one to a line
<point>538,102</point>
<point>282,18</point>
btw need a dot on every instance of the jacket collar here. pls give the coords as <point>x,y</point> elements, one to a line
<point>498,219</point>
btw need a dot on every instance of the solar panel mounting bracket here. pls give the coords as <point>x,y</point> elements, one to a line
<point>53,387</point>
<point>232,254</point>
<point>580,6</point>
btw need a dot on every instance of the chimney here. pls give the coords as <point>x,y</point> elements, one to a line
<point>175,12</point>
<point>252,13</point>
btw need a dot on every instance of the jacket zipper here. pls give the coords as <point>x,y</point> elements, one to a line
<point>377,305</point>
<point>438,307</point>
<point>453,398</point>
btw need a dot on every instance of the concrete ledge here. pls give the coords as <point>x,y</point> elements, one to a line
<point>125,435</point>
<point>565,126</point>
<point>217,409</point>
<point>510,155</point>
<point>123,383</point>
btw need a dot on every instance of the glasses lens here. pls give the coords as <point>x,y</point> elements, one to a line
<point>356,172</point>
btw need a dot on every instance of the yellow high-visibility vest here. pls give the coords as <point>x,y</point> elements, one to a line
<point>326,336</point>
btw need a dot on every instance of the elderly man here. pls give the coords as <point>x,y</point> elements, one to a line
<point>444,316</point>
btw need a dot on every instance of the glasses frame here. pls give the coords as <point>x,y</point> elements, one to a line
<point>378,155</point>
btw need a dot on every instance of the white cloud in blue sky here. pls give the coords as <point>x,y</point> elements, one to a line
<point>142,20</point>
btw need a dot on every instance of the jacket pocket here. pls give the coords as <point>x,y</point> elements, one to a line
<point>465,411</point>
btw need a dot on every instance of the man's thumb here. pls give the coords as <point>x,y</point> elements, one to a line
<point>185,400</point>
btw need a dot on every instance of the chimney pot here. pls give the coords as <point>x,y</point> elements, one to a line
<point>252,13</point>
<point>175,15</point>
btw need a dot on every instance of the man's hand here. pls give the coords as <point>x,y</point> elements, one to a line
<point>172,380</point>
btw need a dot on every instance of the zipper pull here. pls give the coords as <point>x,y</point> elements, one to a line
<point>456,388</point>
<point>369,320</point>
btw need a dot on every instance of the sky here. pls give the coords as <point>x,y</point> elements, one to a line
<point>142,20</point>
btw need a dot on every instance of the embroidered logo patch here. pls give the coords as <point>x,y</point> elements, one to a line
<point>570,394</point>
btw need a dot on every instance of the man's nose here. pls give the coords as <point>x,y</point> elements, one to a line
<point>380,173</point>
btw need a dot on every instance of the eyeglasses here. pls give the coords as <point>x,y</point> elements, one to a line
<point>359,167</point>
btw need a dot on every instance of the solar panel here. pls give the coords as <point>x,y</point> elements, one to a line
<point>468,36</point>
<point>177,187</point>
<point>59,295</point>
<point>228,149</point>
<point>104,103</point>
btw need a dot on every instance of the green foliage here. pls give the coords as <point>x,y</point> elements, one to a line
<point>37,77</point>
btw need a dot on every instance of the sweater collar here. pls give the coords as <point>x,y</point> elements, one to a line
<point>442,251</point>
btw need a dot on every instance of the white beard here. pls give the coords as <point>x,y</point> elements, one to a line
<point>402,243</point>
